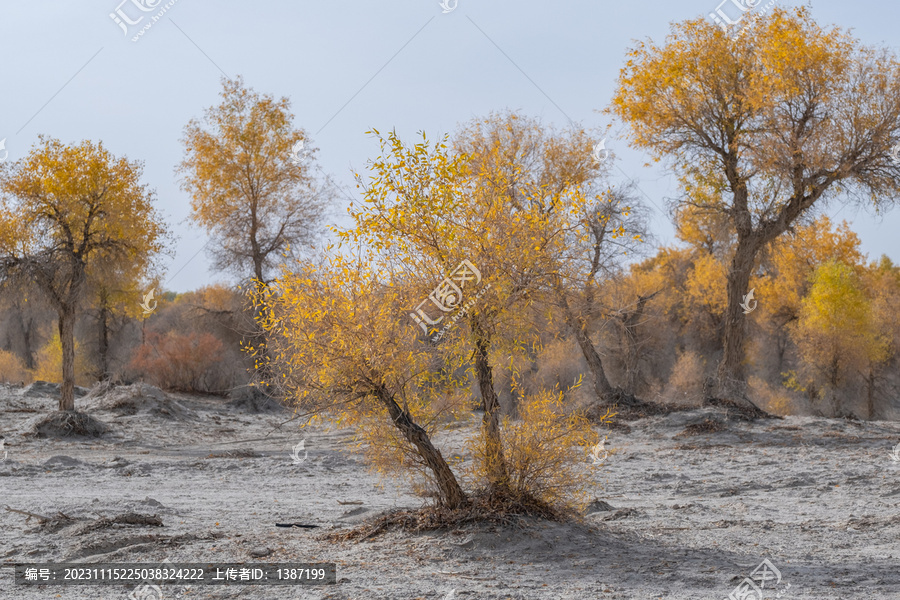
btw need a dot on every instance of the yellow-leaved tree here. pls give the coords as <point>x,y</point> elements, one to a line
<point>449,248</point>
<point>252,180</point>
<point>882,280</point>
<point>254,187</point>
<point>339,344</point>
<point>837,333</point>
<point>489,227</point>
<point>787,276</point>
<point>762,131</point>
<point>66,211</point>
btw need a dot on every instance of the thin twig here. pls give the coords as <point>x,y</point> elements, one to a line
<point>29,514</point>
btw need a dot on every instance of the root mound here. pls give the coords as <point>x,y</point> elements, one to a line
<point>632,411</point>
<point>69,423</point>
<point>139,397</point>
<point>482,508</point>
<point>705,426</point>
<point>44,389</point>
<point>740,411</point>
<point>253,400</point>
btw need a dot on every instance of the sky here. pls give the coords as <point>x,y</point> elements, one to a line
<point>70,71</point>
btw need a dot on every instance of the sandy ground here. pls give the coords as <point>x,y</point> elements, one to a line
<point>689,517</point>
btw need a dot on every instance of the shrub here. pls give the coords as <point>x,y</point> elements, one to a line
<point>49,363</point>
<point>777,400</point>
<point>546,451</point>
<point>685,385</point>
<point>180,362</point>
<point>12,369</point>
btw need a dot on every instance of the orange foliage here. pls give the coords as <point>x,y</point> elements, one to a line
<point>179,362</point>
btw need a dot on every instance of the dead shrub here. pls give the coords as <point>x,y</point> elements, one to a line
<point>180,362</point>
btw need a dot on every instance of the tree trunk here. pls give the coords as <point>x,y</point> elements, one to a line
<point>451,495</point>
<point>602,388</point>
<point>870,394</point>
<point>834,380</point>
<point>67,340</point>
<point>497,473</point>
<point>731,376</point>
<point>630,324</point>
<point>27,338</point>
<point>103,342</point>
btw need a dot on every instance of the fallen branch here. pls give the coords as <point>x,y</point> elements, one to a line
<point>350,502</point>
<point>30,515</point>
<point>123,519</point>
<point>466,576</point>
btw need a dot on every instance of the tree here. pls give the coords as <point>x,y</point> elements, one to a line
<point>246,190</point>
<point>66,209</point>
<point>26,315</point>
<point>111,289</point>
<point>608,227</point>
<point>787,274</point>
<point>882,280</point>
<point>336,344</point>
<point>836,333</point>
<point>763,131</point>
<point>424,214</point>
<point>579,226</point>
<point>504,201</point>
<point>458,241</point>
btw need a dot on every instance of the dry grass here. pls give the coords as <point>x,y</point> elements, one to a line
<point>776,399</point>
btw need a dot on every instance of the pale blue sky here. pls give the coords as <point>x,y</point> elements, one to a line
<point>70,72</point>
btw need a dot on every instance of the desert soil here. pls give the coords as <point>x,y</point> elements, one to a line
<point>685,516</point>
